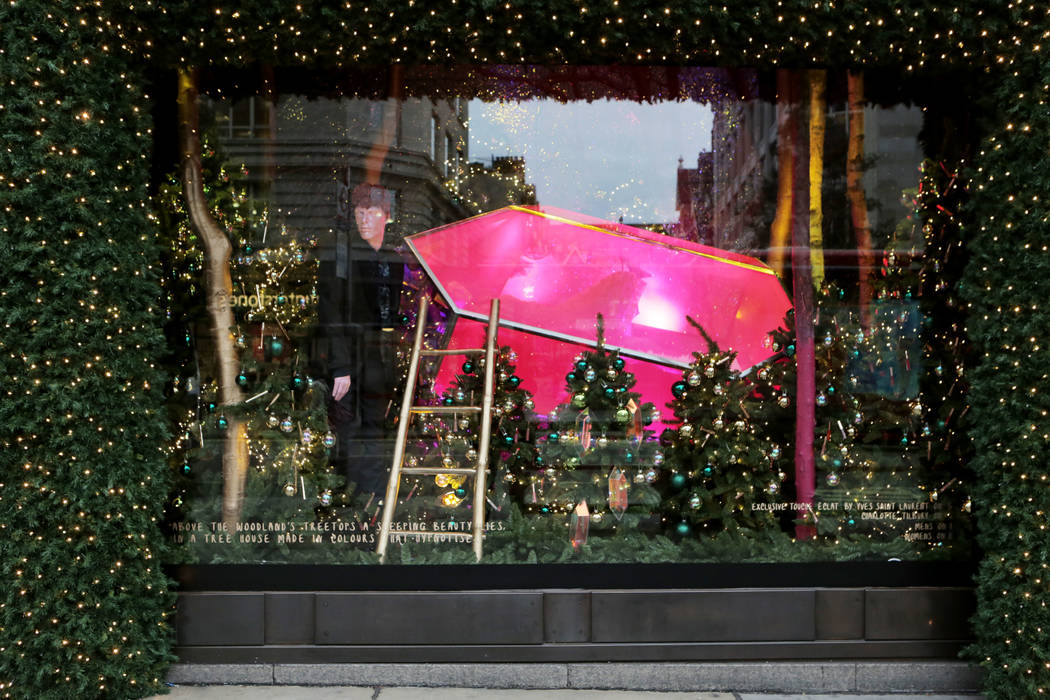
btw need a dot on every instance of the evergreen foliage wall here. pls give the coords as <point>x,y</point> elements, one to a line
<point>84,605</point>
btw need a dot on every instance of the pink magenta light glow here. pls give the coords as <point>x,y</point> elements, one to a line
<point>555,270</point>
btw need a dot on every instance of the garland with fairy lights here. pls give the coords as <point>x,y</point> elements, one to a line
<point>85,608</point>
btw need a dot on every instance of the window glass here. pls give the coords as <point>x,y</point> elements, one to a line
<point>720,336</point>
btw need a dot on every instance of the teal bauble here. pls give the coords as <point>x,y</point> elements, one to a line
<point>682,528</point>
<point>678,481</point>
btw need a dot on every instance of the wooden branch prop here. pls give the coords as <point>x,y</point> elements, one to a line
<point>387,130</point>
<point>816,81</point>
<point>858,204</point>
<point>218,289</point>
<point>780,230</point>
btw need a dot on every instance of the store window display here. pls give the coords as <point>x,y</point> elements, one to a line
<point>719,316</point>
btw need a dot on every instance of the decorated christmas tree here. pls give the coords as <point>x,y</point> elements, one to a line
<point>512,452</point>
<point>725,466</point>
<point>598,461</point>
<point>279,425</point>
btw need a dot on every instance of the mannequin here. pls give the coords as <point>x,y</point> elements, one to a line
<point>358,301</point>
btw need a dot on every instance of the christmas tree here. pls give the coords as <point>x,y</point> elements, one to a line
<point>512,452</point>
<point>281,420</point>
<point>724,464</point>
<point>597,460</point>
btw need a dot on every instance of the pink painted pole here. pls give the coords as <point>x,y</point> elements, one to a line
<point>805,352</point>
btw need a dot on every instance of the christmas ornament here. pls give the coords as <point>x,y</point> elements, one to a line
<point>579,400</point>
<point>287,425</point>
<point>739,425</point>
<point>650,476</point>
<point>272,421</point>
<point>289,489</point>
<point>326,498</point>
<point>694,501</point>
<point>774,452</point>
<point>307,436</point>
<point>449,499</point>
<point>622,415</point>
<point>602,441</point>
<point>682,528</point>
<point>242,379</point>
<point>618,363</point>
<point>686,430</point>
<point>579,525</point>
<point>679,389</point>
<point>678,480</point>
<point>618,489</point>
<point>694,378</point>
<point>773,488</point>
<point>639,478</point>
<point>529,404</point>
<point>658,458</point>
<point>832,479</point>
<point>784,401</point>
<point>610,374</point>
<point>822,400</point>
<point>709,371</point>
<point>223,423</point>
<point>590,375</point>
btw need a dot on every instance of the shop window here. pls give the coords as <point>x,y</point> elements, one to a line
<point>723,321</point>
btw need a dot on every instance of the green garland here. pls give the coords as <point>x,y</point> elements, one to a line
<point>84,603</point>
<point>84,607</point>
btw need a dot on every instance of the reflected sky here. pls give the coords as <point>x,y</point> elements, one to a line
<point>606,159</point>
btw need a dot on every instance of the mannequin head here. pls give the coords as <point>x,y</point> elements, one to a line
<point>371,211</point>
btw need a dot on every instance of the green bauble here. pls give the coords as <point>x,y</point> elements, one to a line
<point>623,415</point>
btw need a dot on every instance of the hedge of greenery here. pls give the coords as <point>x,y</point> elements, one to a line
<point>85,608</point>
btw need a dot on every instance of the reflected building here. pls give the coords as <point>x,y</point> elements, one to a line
<point>694,200</point>
<point>744,178</point>
<point>305,156</point>
<point>499,183</point>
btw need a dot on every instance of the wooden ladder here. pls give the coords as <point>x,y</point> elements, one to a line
<point>479,472</point>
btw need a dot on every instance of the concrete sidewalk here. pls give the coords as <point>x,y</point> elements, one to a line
<point>584,680</point>
<point>242,692</point>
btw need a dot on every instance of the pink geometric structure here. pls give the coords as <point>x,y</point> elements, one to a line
<point>555,270</point>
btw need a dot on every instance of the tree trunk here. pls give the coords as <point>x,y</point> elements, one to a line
<point>780,231</point>
<point>218,289</point>
<point>858,205</point>
<point>816,81</point>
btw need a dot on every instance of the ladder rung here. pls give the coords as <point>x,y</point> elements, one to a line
<point>438,470</point>
<point>446,409</point>
<point>454,351</point>
<point>432,533</point>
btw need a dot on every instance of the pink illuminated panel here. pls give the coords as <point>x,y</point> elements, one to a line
<point>555,270</point>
